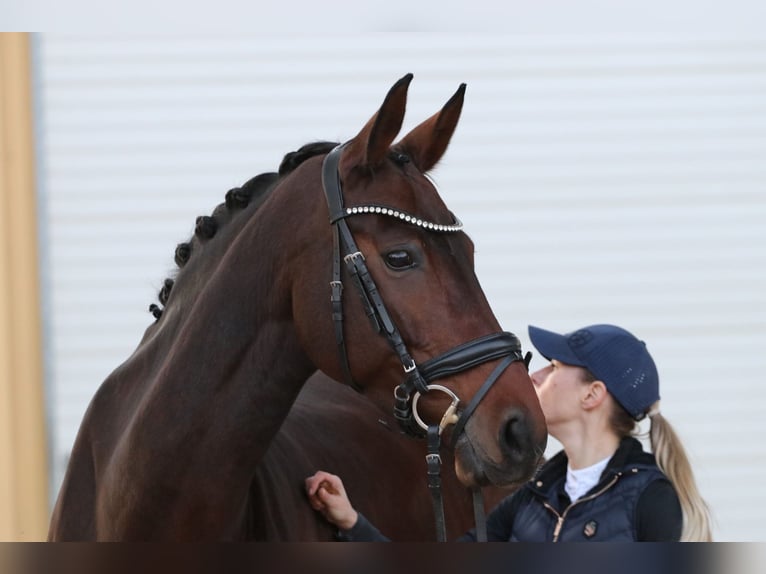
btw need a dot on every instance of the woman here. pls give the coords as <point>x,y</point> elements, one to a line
<point>602,486</point>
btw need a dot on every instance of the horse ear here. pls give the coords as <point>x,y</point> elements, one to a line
<point>427,142</point>
<point>370,147</point>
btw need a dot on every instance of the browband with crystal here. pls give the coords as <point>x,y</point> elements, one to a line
<point>383,210</point>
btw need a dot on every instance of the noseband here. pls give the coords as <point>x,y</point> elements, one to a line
<point>418,379</point>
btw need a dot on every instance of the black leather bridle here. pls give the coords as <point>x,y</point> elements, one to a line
<point>418,378</point>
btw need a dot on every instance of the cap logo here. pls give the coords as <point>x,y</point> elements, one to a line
<point>590,528</point>
<point>580,338</point>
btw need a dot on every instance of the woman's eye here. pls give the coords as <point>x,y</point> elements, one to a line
<point>399,259</point>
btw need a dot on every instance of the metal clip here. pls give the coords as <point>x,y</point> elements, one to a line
<point>411,367</point>
<point>450,417</point>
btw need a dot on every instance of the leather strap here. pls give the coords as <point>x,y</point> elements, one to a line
<point>433,469</point>
<point>470,354</point>
<point>478,515</point>
<point>335,204</point>
<point>358,271</point>
<point>336,298</point>
<point>466,414</point>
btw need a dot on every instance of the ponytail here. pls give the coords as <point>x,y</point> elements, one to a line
<point>673,462</point>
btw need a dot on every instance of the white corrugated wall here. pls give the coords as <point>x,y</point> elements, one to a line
<point>602,180</point>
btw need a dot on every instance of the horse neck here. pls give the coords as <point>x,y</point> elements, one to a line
<point>225,353</point>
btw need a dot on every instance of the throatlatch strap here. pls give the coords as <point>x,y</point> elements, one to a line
<point>336,297</point>
<point>335,207</point>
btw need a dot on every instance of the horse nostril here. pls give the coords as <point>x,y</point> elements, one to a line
<point>517,434</point>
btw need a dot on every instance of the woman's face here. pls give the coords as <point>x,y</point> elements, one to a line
<point>560,388</point>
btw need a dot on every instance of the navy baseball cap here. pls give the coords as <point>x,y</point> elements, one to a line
<point>613,355</point>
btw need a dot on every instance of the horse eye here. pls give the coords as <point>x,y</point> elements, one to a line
<point>399,259</point>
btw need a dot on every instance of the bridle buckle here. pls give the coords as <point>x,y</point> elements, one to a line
<point>433,458</point>
<point>352,257</point>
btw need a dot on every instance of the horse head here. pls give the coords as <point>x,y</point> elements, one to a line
<point>416,325</point>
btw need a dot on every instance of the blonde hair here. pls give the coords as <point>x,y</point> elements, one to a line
<point>674,463</point>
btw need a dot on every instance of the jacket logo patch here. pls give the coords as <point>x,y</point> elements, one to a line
<point>590,528</point>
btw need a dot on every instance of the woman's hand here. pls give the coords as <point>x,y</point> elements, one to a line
<point>327,495</point>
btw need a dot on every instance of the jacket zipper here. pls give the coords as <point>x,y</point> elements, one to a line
<point>561,517</point>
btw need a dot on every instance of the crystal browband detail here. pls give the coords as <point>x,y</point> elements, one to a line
<point>406,217</point>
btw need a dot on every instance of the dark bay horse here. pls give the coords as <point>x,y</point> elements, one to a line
<point>275,286</point>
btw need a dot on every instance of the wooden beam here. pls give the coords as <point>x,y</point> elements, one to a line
<point>23,450</point>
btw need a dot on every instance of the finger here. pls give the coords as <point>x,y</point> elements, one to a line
<point>329,487</point>
<point>312,483</point>
<point>324,496</point>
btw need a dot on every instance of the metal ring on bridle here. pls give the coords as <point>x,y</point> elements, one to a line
<point>450,416</point>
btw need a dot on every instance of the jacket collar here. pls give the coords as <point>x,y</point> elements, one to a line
<point>628,453</point>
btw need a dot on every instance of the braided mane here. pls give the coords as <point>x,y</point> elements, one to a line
<point>254,191</point>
